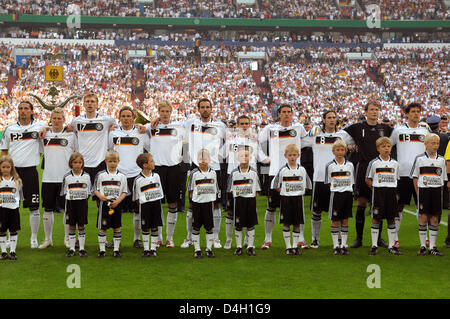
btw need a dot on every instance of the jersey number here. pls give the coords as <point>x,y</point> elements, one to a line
<point>16,136</point>
<point>35,199</point>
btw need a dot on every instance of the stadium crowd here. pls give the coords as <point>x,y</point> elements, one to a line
<point>261,9</point>
<point>310,79</point>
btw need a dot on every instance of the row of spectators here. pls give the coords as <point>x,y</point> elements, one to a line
<point>261,9</point>
<point>309,79</point>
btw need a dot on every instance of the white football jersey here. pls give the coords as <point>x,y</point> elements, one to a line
<point>431,172</point>
<point>203,185</point>
<point>383,173</point>
<point>409,143</point>
<point>292,182</point>
<point>166,143</point>
<point>341,177</point>
<point>207,135</point>
<point>10,193</point>
<point>243,184</point>
<point>278,138</point>
<point>147,188</point>
<point>57,150</point>
<point>129,144</point>
<point>235,143</point>
<point>111,185</point>
<point>92,137</point>
<point>76,187</point>
<point>23,143</point>
<point>322,146</point>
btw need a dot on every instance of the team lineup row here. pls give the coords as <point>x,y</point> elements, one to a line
<point>93,134</point>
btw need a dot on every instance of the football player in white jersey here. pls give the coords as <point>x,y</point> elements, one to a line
<point>278,137</point>
<point>409,139</point>
<point>21,140</point>
<point>129,143</point>
<point>166,143</point>
<point>206,133</point>
<point>322,143</point>
<point>244,138</point>
<point>428,173</point>
<point>58,145</point>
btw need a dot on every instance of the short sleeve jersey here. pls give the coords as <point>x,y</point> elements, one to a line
<point>147,188</point>
<point>76,187</point>
<point>243,184</point>
<point>111,185</point>
<point>57,150</point>
<point>383,173</point>
<point>292,182</point>
<point>93,137</point>
<point>10,193</point>
<point>129,144</point>
<point>430,172</point>
<point>166,143</point>
<point>23,143</point>
<point>341,177</point>
<point>203,185</point>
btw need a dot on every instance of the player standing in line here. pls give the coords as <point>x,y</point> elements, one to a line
<point>291,182</point>
<point>111,188</point>
<point>409,139</point>
<point>58,145</point>
<point>243,185</point>
<point>129,143</point>
<point>10,197</point>
<point>321,140</point>
<point>205,133</point>
<point>166,143</point>
<point>428,173</point>
<point>365,135</point>
<point>148,192</point>
<point>339,173</point>
<point>76,187</point>
<point>22,141</point>
<point>278,137</point>
<point>382,175</point>
<point>203,189</point>
<point>244,138</point>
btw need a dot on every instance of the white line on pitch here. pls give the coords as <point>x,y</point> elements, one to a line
<point>415,214</point>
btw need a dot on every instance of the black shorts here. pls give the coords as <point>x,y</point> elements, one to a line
<point>93,171</point>
<point>202,215</point>
<point>150,215</point>
<point>405,189</point>
<point>273,199</point>
<point>169,176</point>
<point>245,214</point>
<point>106,220</point>
<point>30,182</point>
<point>320,199</point>
<point>9,219</point>
<point>384,203</point>
<point>341,205</point>
<point>77,212</point>
<point>51,198</point>
<point>128,205</point>
<point>291,210</point>
<point>430,201</point>
<point>361,188</point>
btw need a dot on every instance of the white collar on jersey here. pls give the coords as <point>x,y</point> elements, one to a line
<point>31,123</point>
<point>428,156</point>
<point>240,171</point>
<point>379,157</point>
<point>7,180</point>
<point>287,165</point>
<point>151,174</point>
<point>345,161</point>
<point>82,172</point>
<point>107,171</point>
<point>121,128</point>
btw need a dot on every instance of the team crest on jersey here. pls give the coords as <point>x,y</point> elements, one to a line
<point>99,126</point>
<point>212,130</point>
<point>425,182</point>
<point>135,141</point>
<point>63,142</point>
<point>421,138</point>
<point>34,135</point>
<point>174,133</point>
<point>293,133</point>
<point>438,171</point>
<point>376,211</point>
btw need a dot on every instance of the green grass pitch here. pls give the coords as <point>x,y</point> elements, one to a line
<point>176,274</point>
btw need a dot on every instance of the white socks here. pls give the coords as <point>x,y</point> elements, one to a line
<point>251,238</point>
<point>146,241</point>
<point>48,220</point>
<point>117,236</point>
<point>189,224</point>
<point>238,235</point>
<point>316,224</point>
<point>217,216</point>
<point>392,235</point>
<point>35,220</point>
<point>137,227</point>
<point>229,229</point>
<point>269,221</point>
<point>287,238</point>
<point>171,222</point>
